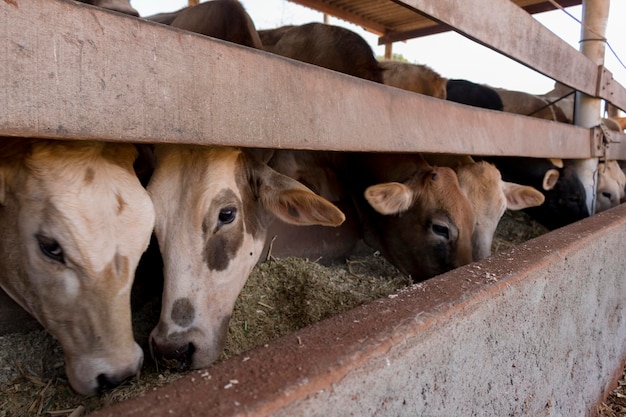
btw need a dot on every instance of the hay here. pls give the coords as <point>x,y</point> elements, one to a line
<point>282,296</point>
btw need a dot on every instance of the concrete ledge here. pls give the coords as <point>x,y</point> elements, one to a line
<point>538,330</point>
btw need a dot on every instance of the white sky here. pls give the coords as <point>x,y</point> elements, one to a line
<point>450,54</point>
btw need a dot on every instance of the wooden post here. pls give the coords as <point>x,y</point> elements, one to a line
<point>587,109</point>
<point>193,2</point>
<point>388,50</point>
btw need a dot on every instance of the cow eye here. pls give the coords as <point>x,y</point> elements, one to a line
<point>606,195</point>
<point>441,230</point>
<point>227,215</point>
<point>51,248</point>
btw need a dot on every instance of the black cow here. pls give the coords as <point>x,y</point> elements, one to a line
<point>472,94</point>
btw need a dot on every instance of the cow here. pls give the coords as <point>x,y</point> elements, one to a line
<point>221,19</point>
<point>611,184</point>
<point>74,221</point>
<point>270,37</point>
<point>611,177</point>
<point>412,77</point>
<point>561,100</point>
<point>488,195</point>
<point>213,206</point>
<point>531,105</point>
<point>318,170</point>
<point>621,122</point>
<point>564,193</point>
<point>413,213</point>
<point>470,93</point>
<point>122,6</point>
<point>327,46</point>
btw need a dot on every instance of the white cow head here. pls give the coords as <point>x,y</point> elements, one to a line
<point>74,221</point>
<point>213,206</point>
<point>611,183</point>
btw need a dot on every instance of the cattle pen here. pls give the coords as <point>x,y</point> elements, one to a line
<point>544,334</point>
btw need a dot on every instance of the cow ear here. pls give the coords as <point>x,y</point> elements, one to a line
<point>295,204</point>
<point>389,198</point>
<point>519,197</point>
<point>557,162</point>
<point>550,178</point>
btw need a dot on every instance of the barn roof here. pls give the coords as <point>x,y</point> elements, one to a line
<point>394,21</point>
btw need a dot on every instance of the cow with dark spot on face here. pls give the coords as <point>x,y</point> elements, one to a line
<point>213,206</point>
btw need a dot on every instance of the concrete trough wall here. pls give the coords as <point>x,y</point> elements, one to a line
<point>538,331</point>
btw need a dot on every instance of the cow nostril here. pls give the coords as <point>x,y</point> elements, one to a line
<point>107,383</point>
<point>178,358</point>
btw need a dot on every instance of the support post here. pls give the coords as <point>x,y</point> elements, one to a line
<point>588,109</point>
<point>388,50</point>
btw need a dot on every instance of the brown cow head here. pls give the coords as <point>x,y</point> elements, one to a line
<point>421,220</point>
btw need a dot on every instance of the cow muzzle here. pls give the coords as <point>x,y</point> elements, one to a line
<point>90,375</point>
<point>171,356</point>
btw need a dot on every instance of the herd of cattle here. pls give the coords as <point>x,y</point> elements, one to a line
<point>75,218</point>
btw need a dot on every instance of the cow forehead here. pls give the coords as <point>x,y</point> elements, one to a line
<point>447,194</point>
<point>92,207</point>
<point>482,184</point>
<point>187,179</point>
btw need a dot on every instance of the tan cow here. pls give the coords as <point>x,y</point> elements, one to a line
<point>412,77</point>
<point>213,206</point>
<point>74,221</point>
<point>489,196</point>
<point>526,104</point>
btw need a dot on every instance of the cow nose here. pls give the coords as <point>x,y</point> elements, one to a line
<point>108,382</point>
<point>173,357</point>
